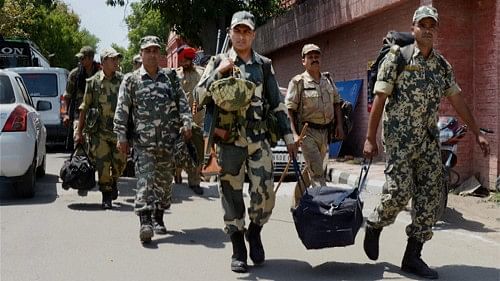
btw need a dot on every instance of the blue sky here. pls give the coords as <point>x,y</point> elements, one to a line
<point>105,22</point>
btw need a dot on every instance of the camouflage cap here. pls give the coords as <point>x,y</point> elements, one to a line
<point>85,51</point>
<point>310,48</point>
<point>243,17</point>
<point>148,41</point>
<point>110,53</point>
<point>425,12</point>
<point>137,59</point>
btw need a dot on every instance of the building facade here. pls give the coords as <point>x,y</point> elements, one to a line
<point>350,34</point>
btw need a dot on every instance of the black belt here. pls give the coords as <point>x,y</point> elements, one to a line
<point>317,126</point>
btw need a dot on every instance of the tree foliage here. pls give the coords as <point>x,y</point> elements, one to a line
<point>48,23</point>
<point>191,19</point>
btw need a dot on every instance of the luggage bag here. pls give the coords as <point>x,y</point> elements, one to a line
<point>329,216</point>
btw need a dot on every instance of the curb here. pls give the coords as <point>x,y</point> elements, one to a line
<point>342,177</point>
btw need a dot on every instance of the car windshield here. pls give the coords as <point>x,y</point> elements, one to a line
<point>41,84</point>
<point>6,91</point>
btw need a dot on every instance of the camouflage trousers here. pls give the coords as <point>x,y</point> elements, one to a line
<point>314,149</point>
<point>256,159</point>
<point>153,170</point>
<point>415,174</point>
<point>108,161</point>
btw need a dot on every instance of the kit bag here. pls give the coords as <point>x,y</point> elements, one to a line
<point>78,172</point>
<point>330,216</point>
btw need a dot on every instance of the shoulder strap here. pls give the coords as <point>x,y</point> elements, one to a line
<point>405,56</point>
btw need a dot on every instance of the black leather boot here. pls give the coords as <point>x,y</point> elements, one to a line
<point>146,230</point>
<point>158,224</point>
<point>239,257</point>
<point>256,249</point>
<point>106,200</point>
<point>370,244</point>
<point>412,263</point>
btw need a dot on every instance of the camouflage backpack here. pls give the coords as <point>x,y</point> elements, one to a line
<point>232,93</point>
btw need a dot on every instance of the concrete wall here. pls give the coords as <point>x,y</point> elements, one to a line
<point>350,34</point>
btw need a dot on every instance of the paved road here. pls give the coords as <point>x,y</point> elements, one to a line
<point>60,236</point>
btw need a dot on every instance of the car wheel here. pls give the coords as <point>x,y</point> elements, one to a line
<point>26,187</point>
<point>40,171</point>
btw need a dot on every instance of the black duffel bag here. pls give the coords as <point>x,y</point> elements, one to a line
<point>330,216</point>
<point>78,172</point>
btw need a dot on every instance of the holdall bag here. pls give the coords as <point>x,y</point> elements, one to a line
<point>330,216</point>
<point>78,172</point>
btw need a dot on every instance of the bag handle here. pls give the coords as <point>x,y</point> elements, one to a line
<point>79,145</point>
<point>365,167</point>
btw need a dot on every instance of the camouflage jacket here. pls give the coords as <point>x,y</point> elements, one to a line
<point>158,106</point>
<point>265,97</point>
<point>73,88</point>
<point>316,100</point>
<point>101,94</point>
<point>410,113</point>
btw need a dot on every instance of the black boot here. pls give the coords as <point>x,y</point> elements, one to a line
<point>412,263</point>
<point>146,231</point>
<point>239,257</point>
<point>370,244</point>
<point>197,189</point>
<point>106,200</point>
<point>114,191</point>
<point>256,249</point>
<point>158,224</point>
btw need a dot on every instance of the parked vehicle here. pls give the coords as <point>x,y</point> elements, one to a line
<point>450,133</point>
<point>48,84</point>
<point>22,135</point>
<point>20,53</point>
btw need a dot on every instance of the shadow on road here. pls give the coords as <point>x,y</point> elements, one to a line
<point>45,192</point>
<point>281,269</point>
<point>208,237</point>
<point>452,219</point>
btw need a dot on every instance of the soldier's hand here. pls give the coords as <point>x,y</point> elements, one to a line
<point>292,150</point>
<point>66,122</point>
<point>78,137</point>
<point>297,140</point>
<point>187,133</point>
<point>339,133</point>
<point>483,143</point>
<point>225,66</point>
<point>370,149</point>
<point>122,147</point>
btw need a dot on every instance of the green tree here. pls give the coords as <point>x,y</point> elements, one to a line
<point>50,24</point>
<point>198,20</point>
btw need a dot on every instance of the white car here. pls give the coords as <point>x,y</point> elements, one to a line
<point>48,84</point>
<point>280,159</point>
<point>22,135</point>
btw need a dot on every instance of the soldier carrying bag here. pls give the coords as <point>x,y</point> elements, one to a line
<point>329,216</point>
<point>78,172</point>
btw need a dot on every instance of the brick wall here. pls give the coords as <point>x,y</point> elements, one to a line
<point>350,32</point>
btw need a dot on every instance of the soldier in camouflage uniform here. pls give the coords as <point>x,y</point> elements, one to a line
<point>160,116</point>
<point>246,146</point>
<point>189,75</point>
<point>76,84</point>
<point>411,139</point>
<point>96,120</point>
<point>312,98</point>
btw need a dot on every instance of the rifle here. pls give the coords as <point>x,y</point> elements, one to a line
<point>210,166</point>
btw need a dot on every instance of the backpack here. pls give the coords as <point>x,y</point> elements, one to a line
<point>78,172</point>
<point>405,41</point>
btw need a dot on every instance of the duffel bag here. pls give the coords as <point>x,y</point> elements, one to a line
<point>322,221</point>
<point>329,216</point>
<point>78,172</point>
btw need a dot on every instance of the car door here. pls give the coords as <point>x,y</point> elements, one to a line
<point>34,118</point>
